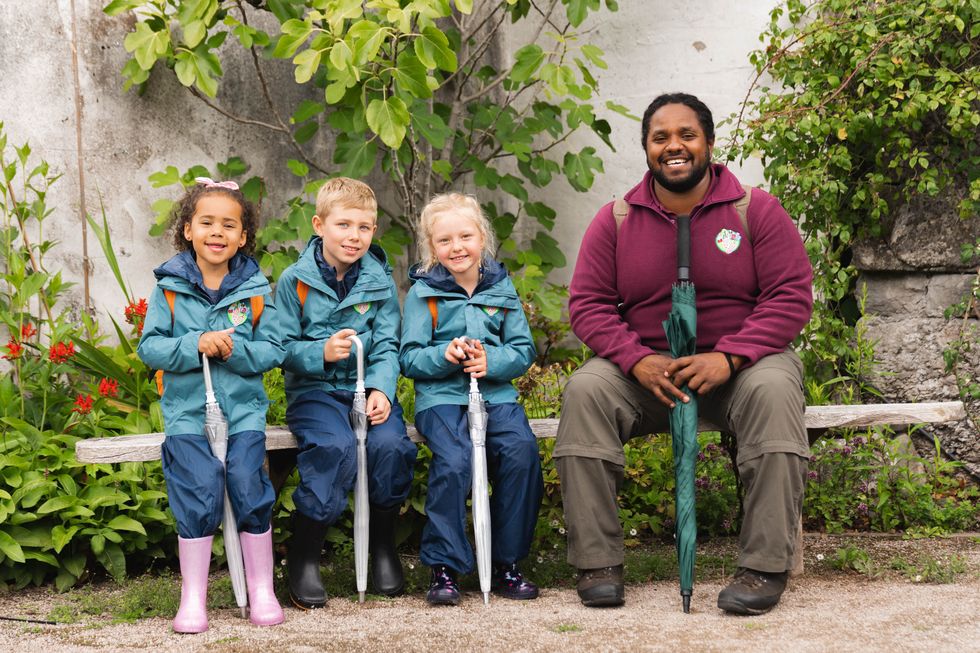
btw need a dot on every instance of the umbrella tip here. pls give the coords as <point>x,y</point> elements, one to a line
<point>687,603</point>
<point>244,612</point>
<point>360,597</point>
<point>486,598</point>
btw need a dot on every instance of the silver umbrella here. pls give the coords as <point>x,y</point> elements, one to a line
<point>477,414</point>
<point>216,430</point>
<point>362,510</point>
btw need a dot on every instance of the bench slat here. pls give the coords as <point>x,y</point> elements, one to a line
<point>135,448</point>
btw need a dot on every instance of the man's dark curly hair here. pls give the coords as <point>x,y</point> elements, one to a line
<point>688,100</point>
<point>183,211</point>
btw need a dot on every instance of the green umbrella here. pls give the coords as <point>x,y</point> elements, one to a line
<point>681,328</point>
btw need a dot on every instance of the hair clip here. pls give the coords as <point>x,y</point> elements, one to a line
<point>211,183</point>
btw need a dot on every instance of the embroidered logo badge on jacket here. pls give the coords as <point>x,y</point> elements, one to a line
<point>728,240</point>
<point>362,308</point>
<point>490,310</point>
<point>238,313</point>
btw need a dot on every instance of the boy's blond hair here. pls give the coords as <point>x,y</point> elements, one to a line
<point>344,192</point>
<point>460,204</point>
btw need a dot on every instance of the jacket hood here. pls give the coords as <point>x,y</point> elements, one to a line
<point>241,268</point>
<point>439,278</point>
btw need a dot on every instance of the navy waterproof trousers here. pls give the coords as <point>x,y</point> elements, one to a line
<point>327,455</point>
<point>196,483</point>
<point>514,471</point>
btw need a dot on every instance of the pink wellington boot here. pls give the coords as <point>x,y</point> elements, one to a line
<point>263,606</point>
<point>195,560</point>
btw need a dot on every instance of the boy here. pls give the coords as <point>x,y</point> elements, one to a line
<point>340,286</point>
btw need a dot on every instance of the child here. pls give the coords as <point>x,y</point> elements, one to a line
<point>340,286</point>
<point>460,291</point>
<point>205,302</point>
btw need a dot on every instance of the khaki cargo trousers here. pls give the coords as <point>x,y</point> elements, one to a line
<point>763,406</point>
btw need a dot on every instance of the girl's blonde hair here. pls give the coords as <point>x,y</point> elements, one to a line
<point>460,204</point>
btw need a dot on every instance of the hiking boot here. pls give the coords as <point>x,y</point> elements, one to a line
<point>752,592</point>
<point>601,587</point>
<point>443,590</point>
<point>509,582</point>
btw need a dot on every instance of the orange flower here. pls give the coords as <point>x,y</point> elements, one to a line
<point>14,350</point>
<point>136,314</point>
<point>83,404</point>
<point>27,331</point>
<point>61,352</point>
<point>108,387</point>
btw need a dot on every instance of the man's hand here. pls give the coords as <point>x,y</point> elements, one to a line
<point>337,347</point>
<point>216,344</point>
<point>456,350</point>
<point>702,372</point>
<point>476,361</point>
<point>651,373</point>
<point>378,407</point>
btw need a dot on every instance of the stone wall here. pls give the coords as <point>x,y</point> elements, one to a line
<point>911,278</point>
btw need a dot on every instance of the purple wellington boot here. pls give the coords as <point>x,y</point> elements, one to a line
<point>195,560</point>
<point>264,608</point>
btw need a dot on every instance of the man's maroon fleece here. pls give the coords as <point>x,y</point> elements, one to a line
<point>752,301</point>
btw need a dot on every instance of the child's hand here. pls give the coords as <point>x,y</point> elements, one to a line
<point>216,344</point>
<point>378,407</point>
<point>476,362</point>
<point>337,347</point>
<point>456,351</point>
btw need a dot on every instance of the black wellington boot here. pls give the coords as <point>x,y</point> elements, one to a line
<point>303,562</point>
<point>387,577</point>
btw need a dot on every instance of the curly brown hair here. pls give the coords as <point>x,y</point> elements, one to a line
<point>184,209</point>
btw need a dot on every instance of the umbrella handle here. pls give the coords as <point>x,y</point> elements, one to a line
<point>208,388</point>
<point>474,386</point>
<point>360,362</point>
<point>683,247</point>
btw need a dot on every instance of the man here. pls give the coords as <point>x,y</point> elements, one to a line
<point>753,298</point>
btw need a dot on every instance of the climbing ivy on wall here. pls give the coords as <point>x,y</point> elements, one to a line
<point>858,106</point>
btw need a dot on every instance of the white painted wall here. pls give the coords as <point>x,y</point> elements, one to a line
<point>651,47</point>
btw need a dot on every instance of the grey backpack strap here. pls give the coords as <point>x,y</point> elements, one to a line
<point>742,208</point>
<point>620,210</point>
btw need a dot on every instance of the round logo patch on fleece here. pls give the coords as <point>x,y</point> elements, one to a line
<point>728,240</point>
<point>238,313</point>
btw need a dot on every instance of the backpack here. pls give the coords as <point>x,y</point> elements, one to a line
<point>621,209</point>
<point>257,303</point>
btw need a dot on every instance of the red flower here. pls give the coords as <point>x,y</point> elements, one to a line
<point>108,387</point>
<point>136,314</point>
<point>14,350</point>
<point>27,331</point>
<point>83,404</point>
<point>61,352</point>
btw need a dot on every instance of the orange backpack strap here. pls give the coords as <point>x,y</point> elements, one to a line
<point>302,290</point>
<point>171,298</point>
<point>620,210</point>
<point>742,208</point>
<point>258,305</point>
<point>434,312</point>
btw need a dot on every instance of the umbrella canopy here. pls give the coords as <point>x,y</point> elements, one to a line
<point>362,510</point>
<point>216,431</point>
<point>477,414</point>
<point>680,326</point>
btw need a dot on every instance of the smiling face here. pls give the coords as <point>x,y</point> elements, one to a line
<point>678,152</point>
<point>346,234</point>
<point>215,232</point>
<point>458,245</point>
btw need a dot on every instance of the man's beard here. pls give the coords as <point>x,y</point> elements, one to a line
<point>681,185</point>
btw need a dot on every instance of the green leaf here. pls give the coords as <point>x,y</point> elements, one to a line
<point>621,110</point>
<point>355,154</point>
<point>594,55</point>
<point>388,118</point>
<point>60,536</point>
<point>10,548</point>
<point>443,168</point>
<point>298,168</point>
<point>306,110</point>
<point>294,34</point>
<point>146,44</point>
<point>526,62</point>
<point>168,177</point>
<point>306,132</point>
<point>367,37</point>
<point>464,6</point>
<point>580,168</point>
<point>410,76</point>
<point>116,7</point>
<point>306,63</point>
<point>194,33</point>
<point>57,503</point>
<point>432,49</point>
<point>123,523</point>
<point>430,126</point>
<point>114,560</point>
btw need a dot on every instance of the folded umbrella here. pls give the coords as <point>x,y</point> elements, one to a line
<point>477,414</point>
<point>362,510</point>
<point>216,431</point>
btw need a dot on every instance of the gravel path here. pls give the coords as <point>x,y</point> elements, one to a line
<point>822,611</point>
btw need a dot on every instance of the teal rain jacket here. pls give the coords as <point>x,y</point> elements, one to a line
<point>169,343</point>
<point>493,315</point>
<point>370,308</point>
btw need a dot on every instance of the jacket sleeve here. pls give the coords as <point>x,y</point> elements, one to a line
<point>785,276</point>
<point>159,348</point>
<point>304,357</point>
<point>263,351</point>
<point>418,356</point>
<point>593,305</point>
<point>512,358</point>
<point>381,363</point>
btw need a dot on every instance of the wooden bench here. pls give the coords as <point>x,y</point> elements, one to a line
<point>135,448</point>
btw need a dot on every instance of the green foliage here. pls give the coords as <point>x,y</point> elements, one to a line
<point>890,112</point>
<point>412,90</point>
<point>61,520</point>
<point>957,352</point>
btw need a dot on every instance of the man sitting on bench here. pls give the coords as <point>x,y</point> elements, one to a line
<point>754,296</point>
